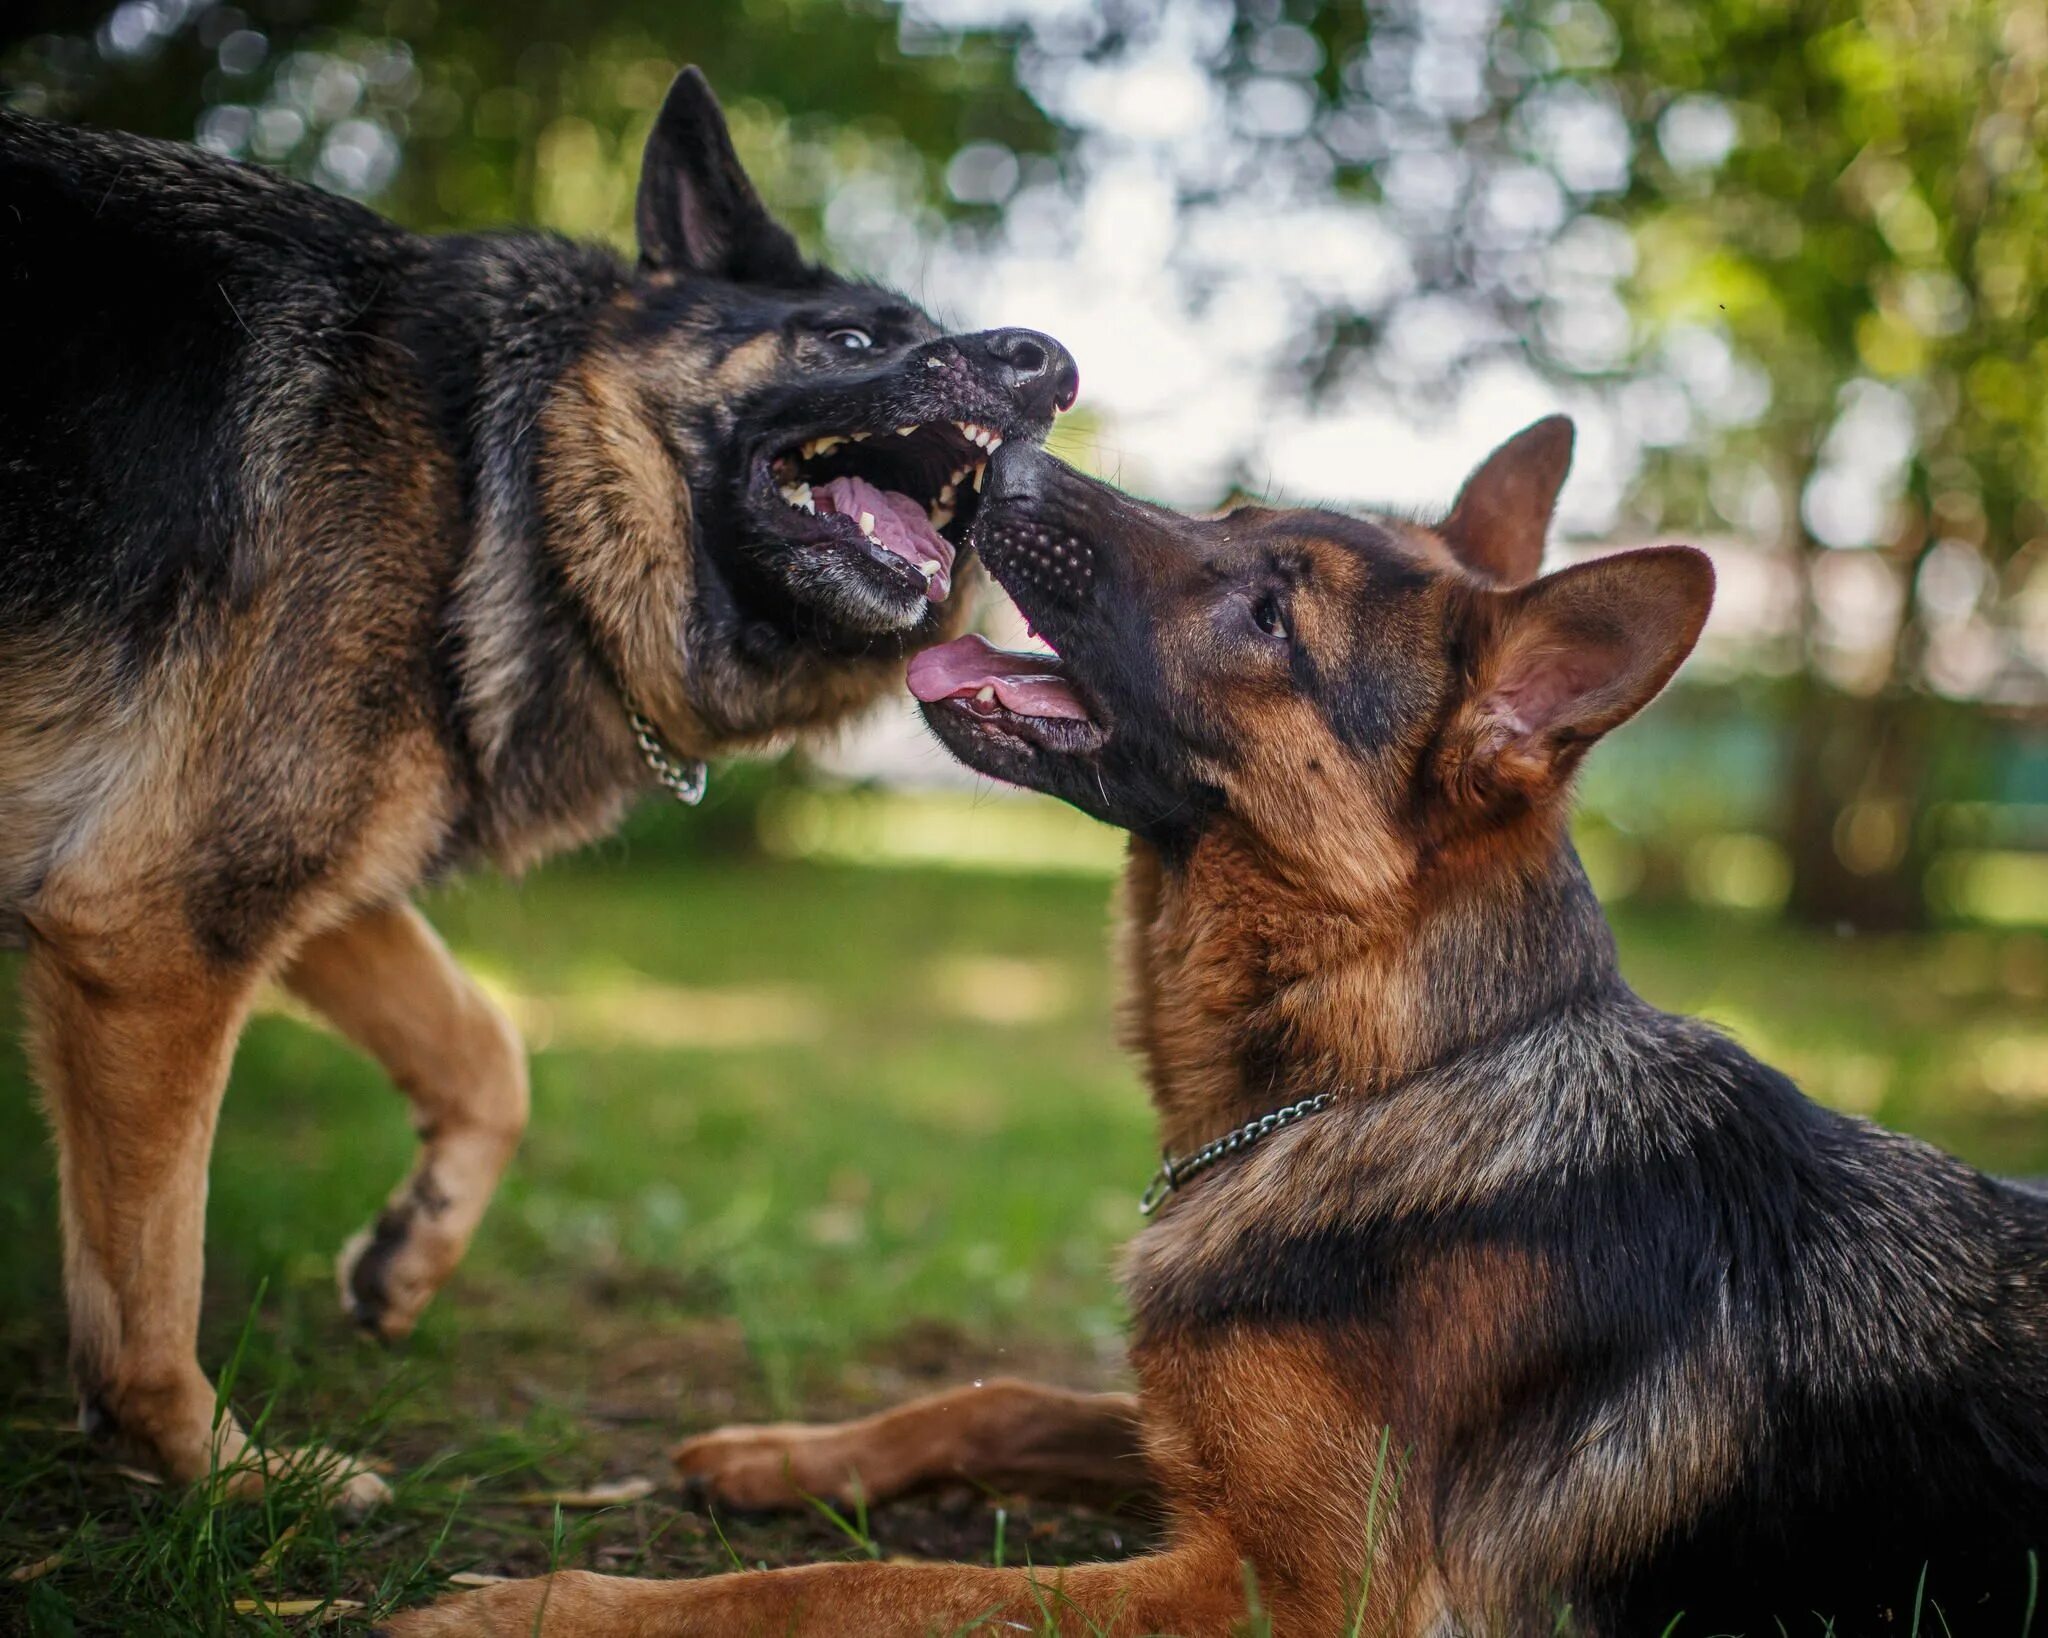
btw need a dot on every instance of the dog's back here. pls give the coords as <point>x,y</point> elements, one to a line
<point>1890,1310</point>
<point>207,381</point>
<point>164,309</point>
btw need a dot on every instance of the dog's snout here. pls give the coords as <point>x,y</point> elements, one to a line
<point>1025,536</point>
<point>1038,369</point>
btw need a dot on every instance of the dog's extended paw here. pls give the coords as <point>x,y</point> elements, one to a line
<point>763,1469</point>
<point>512,1608</point>
<point>554,1606</point>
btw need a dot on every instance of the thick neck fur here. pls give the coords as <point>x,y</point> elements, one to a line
<point>1250,991</point>
<point>582,584</point>
<point>498,326</point>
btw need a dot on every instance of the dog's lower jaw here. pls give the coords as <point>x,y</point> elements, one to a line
<point>846,594</point>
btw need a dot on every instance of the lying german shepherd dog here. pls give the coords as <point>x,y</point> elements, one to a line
<point>1482,1297</point>
<point>337,558</point>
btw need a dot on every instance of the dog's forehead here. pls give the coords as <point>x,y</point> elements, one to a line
<point>746,337</point>
<point>892,316</point>
<point>724,315</point>
<point>1342,552</point>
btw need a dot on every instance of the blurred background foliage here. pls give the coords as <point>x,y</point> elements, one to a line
<point>1785,259</point>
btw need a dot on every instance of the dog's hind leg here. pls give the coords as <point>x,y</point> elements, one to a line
<point>388,983</point>
<point>1006,1435</point>
<point>132,1037</point>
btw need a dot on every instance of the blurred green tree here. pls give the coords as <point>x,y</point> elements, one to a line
<point>456,114</point>
<point>1855,193</point>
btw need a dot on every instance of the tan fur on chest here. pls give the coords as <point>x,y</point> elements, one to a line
<point>1218,960</point>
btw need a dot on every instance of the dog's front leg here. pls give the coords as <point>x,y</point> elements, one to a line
<point>132,1037</point>
<point>1008,1435</point>
<point>1192,1592</point>
<point>388,984</point>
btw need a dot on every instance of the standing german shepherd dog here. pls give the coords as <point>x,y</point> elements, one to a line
<point>1485,1298</point>
<point>333,558</point>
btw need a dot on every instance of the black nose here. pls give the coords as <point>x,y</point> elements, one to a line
<point>1041,372</point>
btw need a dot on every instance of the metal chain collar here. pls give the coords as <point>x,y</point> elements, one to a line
<point>685,781</point>
<point>1173,1173</point>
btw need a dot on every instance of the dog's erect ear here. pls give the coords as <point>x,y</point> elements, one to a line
<point>697,212</point>
<point>1503,512</point>
<point>1562,661</point>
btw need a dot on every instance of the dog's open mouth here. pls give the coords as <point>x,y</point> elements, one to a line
<point>1015,693</point>
<point>905,496</point>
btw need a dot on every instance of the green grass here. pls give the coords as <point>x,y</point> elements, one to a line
<point>806,1139</point>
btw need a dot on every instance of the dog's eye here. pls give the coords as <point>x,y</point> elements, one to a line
<point>1269,617</point>
<point>854,341</point>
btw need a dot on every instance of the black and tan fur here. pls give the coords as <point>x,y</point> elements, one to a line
<point>331,559</point>
<point>1565,1315</point>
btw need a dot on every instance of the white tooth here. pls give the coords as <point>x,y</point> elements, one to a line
<point>789,493</point>
<point>825,446</point>
<point>803,497</point>
<point>810,448</point>
<point>951,491</point>
<point>995,442</point>
<point>986,694</point>
<point>940,516</point>
<point>860,437</point>
<point>867,524</point>
<point>934,364</point>
<point>930,571</point>
<point>966,429</point>
<point>905,432</point>
<point>980,472</point>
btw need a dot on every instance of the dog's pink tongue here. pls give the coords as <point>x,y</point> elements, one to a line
<point>900,525</point>
<point>1028,684</point>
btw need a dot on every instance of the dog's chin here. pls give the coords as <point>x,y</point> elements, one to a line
<point>1054,755</point>
<point>990,738</point>
<point>846,593</point>
<point>1011,749</point>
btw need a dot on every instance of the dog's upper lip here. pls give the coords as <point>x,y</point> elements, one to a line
<point>825,436</point>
